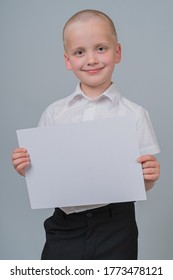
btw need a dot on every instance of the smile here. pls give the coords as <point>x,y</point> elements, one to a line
<point>93,71</point>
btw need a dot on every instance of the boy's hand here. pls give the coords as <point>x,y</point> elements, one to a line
<point>21,160</point>
<point>150,168</point>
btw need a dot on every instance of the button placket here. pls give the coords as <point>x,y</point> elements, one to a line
<point>89,113</point>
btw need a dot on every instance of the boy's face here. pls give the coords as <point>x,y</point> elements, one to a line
<point>91,51</point>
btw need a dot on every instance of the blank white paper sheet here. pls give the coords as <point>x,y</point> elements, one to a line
<point>91,162</point>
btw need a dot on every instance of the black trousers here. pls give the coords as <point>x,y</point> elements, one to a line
<point>105,233</point>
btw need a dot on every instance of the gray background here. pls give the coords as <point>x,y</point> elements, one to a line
<point>33,75</point>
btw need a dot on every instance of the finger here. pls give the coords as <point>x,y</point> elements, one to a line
<point>20,153</point>
<point>20,161</point>
<point>19,150</point>
<point>148,171</point>
<point>146,158</point>
<point>151,177</point>
<point>21,168</point>
<point>151,174</point>
<point>148,164</point>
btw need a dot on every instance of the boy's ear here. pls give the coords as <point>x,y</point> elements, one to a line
<point>118,54</point>
<point>67,61</point>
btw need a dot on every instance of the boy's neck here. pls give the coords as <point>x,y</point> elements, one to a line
<point>94,92</point>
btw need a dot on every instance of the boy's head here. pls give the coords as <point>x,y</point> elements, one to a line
<point>86,15</point>
<point>91,49</point>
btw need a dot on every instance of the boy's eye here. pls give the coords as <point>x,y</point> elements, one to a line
<point>101,49</point>
<point>79,53</point>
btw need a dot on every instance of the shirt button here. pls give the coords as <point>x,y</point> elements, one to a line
<point>89,215</point>
<point>90,104</point>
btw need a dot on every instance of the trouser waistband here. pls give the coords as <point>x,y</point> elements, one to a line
<point>109,210</point>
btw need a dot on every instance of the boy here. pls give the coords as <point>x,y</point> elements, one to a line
<point>91,50</point>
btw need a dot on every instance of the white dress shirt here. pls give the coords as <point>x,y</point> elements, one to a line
<point>79,107</point>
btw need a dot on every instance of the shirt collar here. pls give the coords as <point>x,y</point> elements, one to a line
<point>111,93</point>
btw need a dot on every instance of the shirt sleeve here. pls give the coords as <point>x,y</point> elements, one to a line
<point>46,118</point>
<point>146,137</point>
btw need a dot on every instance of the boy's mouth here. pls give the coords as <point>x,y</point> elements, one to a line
<point>93,71</point>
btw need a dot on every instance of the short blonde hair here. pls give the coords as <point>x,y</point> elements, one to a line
<point>85,15</point>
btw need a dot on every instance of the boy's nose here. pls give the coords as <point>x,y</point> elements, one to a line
<point>92,58</point>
